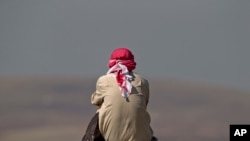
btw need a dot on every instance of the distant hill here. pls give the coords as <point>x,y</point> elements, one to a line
<point>58,109</point>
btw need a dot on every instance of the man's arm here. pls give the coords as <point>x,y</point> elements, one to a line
<point>98,96</point>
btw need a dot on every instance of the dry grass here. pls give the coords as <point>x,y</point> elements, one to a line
<point>58,109</point>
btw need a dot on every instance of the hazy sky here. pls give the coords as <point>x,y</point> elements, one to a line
<point>200,40</point>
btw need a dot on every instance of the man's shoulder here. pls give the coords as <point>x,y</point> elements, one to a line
<point>135,75</point>
<point>104,77</point>
<point>140,77</point>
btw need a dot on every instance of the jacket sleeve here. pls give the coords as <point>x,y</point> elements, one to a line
<point>98,96</point>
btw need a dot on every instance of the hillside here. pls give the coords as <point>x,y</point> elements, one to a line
<point>58,109</point>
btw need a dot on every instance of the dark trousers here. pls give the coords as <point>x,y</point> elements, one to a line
<point>93,133</point>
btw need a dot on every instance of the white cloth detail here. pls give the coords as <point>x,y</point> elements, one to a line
<point>126,85</point>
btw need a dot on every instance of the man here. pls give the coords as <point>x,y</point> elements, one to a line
<point>122,97</point>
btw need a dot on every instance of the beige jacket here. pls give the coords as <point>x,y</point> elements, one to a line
<point>121,119</point>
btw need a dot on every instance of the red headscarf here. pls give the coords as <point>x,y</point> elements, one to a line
<point>121,62</point>
<point>124,56</point>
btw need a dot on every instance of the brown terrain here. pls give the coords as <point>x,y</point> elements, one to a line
<point>58,109</point>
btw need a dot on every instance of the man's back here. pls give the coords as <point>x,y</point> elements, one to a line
<point>123,119</point>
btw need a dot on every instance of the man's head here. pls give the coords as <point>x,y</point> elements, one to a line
<point>123,56</point>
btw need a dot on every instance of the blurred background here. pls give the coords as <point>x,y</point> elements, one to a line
<point>195,54</point>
